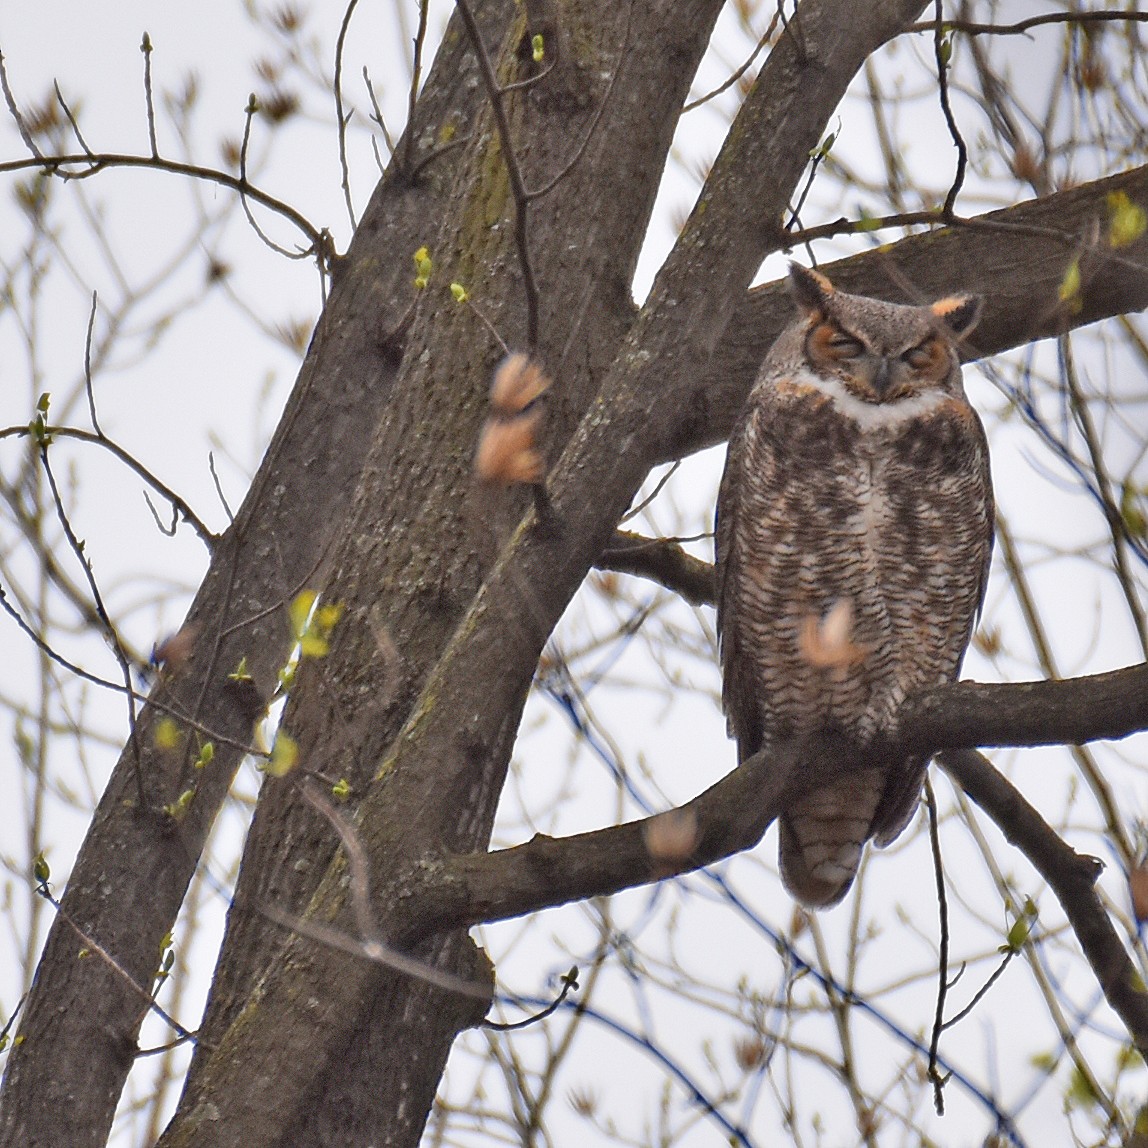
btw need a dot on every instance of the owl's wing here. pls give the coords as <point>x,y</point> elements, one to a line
<point>737,671</point>
<point>981,445</point>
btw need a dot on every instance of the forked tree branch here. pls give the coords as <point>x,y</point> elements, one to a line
<point>734,814</point>
<point>1071,875</point>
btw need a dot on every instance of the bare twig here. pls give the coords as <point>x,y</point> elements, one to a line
<point>980,994</point>
<point>1116,524</point>
<point>88,369</point>
<point>92,163</point>
<point>935,1077</point>
<point>149,99</point>
<point>47,649</point>
<point>377,116</point>
<point>580,150</point>
<point>728,83</point>
<point>129,460</point>
<point>1073,16</point>
<point>513,171</point>
<point>416,76</point>
<point>93,946</point>
<point>939,51</point>
<point>71,118</point>
<point>249,115</point>
<point>15,113</point>
<point>1097,782</point>
<point>1072,877</point>
<point>569,984</point>
<point>342,120</point>
<point>118,687</point>
<point>167,531</point>
<point>110,632</point>
<point>219,486</point>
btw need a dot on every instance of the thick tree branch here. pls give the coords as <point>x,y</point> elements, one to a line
<point>734,813</point>
<point>980,256</point>
<point>1072,877</point>
<point>663,561</point>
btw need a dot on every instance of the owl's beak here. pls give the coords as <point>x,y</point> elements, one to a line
<point>882,377</point>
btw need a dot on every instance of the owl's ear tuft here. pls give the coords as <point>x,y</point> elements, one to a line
<point>959,313</point>
<point>811,290</point>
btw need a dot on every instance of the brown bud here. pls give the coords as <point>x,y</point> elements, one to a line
<point>507,452</point>
<point>518,381</point>
<point>671,836</point>
<point>827,643</point>
<point>176,648</point>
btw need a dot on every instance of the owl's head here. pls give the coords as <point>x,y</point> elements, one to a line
<point>882,352</point>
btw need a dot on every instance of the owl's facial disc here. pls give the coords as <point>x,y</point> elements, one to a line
<point>878,374</point>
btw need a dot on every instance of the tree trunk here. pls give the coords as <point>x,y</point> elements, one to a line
<point>437,782</point>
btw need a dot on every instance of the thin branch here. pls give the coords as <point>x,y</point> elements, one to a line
<point>935,1077</point>
<point>149,99</point>
<point>659,486</point>
<point>437,153</point>
<point>513,171</point>
<point>818,159</point>
<point>580,150</point>
<point>842,226</point>
<point>118,687</point>
<point>416,74</point>
<point>972,28</point>
<point>11,1020</point>
<point>166,531</point>
<point>15,113</point>
<point>377,116</point>
<point>737,75</point>
<point>94,162</point>
<point>129,460</point>
<point>88,369</point>
<point>939,51</point>
<point>95,947</point>
<point>569,985</point>
<point>249,115</point>
<point>162,1048</point>
<point>71,118</point>
<point>46,648</point>
<point>982,992</point>
<point>110,632</point>
<point>340,119</point>
<point>219,486</point>
<point>1097,783</point>
<point>1116,524</point>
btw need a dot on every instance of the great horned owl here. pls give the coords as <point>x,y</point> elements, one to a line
<point>854,528</point>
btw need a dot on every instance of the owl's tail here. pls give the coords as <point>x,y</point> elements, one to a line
<point>824,834</point>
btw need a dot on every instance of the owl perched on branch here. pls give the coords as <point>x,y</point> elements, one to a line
<point>854,528</point>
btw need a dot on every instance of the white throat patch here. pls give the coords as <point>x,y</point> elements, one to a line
<point>872,416</point>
